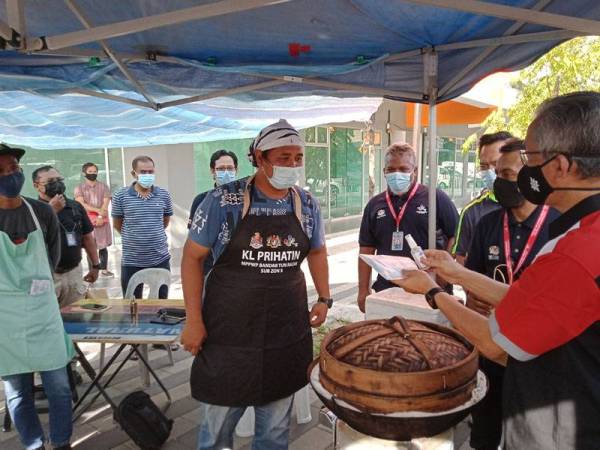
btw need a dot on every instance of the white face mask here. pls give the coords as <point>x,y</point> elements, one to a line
<point>285,177</point>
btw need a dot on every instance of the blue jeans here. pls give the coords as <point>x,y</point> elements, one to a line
<point>271,429</point>
<point>128,271</point>
<point>19,396</point>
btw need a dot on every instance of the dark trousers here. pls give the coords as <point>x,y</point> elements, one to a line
<point>128,271</point>
<point>103,257</point>
<point>486,431</point>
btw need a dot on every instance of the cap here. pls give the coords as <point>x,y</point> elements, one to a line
<point>16,152</point>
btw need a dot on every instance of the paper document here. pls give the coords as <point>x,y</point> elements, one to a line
<point>390,267</point>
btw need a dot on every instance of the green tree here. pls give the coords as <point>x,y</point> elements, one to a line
<point>571,66</point>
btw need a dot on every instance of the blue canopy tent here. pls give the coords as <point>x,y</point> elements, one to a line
<point>90,73</point>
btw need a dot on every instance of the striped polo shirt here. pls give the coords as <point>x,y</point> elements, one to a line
<point>143,232</point>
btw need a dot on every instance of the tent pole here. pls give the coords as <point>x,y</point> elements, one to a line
<point>430,81</point>
<point>114,98</point>
<point>147,23</point>
<point>562,22</point>
<point>136,84</point>
<point>432,171</point>
<point>487,52</point>
<point>221,93</point>
<point>416,135</point>
<point>16,17</point>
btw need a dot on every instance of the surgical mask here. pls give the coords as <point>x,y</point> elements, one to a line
<point>55,188</point>
<point>507,193</point>
<point>146,180</point>
<point>285,177</point>
<point>11,185</point>
<point>91,176</point>
<point>224,176</point>
<point>488,177</point>
<point>398,182</point>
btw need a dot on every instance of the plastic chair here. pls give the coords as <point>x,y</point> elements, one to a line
<point>245,426</point>
<point>154,278</point>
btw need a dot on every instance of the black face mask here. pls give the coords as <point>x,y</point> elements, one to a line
<point>533,184</point>
<point>55,188</point>
<point>91,176</point>
<point>507,193</point>
<point>11,185</point>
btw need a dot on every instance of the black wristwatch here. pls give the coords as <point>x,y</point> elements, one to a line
<point>430,296</point>
<point>96,266</point>
<point>327,301</point>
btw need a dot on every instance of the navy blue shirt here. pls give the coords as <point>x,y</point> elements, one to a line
<point>208,262</point>
<point>378,224</point>
<point>486,254</point>
<point>470,216</point>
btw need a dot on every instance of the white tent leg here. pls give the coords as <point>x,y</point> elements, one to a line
<point>416,135</point>
<point>515,28</point>
<point>147,23</point>
<point>136,84</point>
<point>559,21</point>
<point>430,66</point>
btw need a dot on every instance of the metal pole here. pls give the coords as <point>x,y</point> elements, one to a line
<point>432,171</point>
<point>416,136</point>
<point>107,167</point>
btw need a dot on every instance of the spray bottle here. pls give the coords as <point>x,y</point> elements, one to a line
<point>416,252</point>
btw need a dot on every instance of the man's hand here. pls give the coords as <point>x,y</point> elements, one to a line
<point>416,281</point>
<point>443,264</point>
<point>318,314</point>
<point>91,276</point>
<point>193,336</point>
<point>362,299</point>
<point>58,202</point>
<point>477,305</point>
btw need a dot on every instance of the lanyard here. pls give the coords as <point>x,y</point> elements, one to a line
<point>398,217</point>
<point>528,246</point>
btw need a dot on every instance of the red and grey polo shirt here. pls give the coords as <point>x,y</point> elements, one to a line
<point>549,324</point>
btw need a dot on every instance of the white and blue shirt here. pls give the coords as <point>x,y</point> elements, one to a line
<point>218,216</point>
<point>143,231</point>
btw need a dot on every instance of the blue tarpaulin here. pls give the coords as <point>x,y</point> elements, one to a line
<point>347,42</point>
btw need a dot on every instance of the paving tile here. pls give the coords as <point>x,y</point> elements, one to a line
<point>314,439</point>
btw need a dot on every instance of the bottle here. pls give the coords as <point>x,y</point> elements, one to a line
<point>416,252</point>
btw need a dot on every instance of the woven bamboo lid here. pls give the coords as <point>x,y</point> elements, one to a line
<point>398,345</point>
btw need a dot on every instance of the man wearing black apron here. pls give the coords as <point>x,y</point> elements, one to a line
<point>251,330</point>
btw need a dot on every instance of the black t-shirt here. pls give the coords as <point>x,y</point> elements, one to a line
<point>18,223</point>
<point>72,218</point>
<point>378,224</point>
<point>486,254</point>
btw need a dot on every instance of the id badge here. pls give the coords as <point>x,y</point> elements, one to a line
<point>397,241</point>
<point>72,240</point>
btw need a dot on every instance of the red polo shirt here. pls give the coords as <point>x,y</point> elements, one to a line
<point>558,297</point>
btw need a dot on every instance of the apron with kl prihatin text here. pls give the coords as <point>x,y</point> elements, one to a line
<point>32,335</point>
<point>259,341</point>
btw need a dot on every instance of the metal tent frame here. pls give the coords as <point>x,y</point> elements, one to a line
<point>14,36</point>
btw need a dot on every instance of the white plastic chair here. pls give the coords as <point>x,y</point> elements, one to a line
<point>245,427</point>
<point>154,278</point>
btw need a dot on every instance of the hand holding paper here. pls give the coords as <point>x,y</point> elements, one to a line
<point>390,267</point>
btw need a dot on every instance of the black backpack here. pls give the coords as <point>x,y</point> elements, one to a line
<point>141,419</point>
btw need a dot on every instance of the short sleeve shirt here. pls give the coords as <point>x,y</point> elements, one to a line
<point>486,254</point>
<point>143,232</point>
<point>72,219</point>
<point>217,217</point>
<point>378,224</point>
<point>470,216</point>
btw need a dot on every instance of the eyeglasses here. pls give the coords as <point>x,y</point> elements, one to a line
<point>525,155</point>
<point>53,180</point>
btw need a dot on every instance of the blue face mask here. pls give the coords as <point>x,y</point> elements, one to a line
<point>398,182</point>
<point>224,176</point>
<point>285,177</point>
<point>11,185</point>
<point>488,177</point>
<point>146,180</point>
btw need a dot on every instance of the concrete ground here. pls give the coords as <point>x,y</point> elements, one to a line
<point>96,430</point>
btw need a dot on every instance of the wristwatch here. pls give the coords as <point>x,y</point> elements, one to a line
<point>430,296</point>
<point>327,301</point>
<point>96,266</point>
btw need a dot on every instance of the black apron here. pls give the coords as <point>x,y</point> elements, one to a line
<point>259,342</point>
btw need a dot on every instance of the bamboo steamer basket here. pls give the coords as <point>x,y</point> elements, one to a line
<point>398,365</point>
